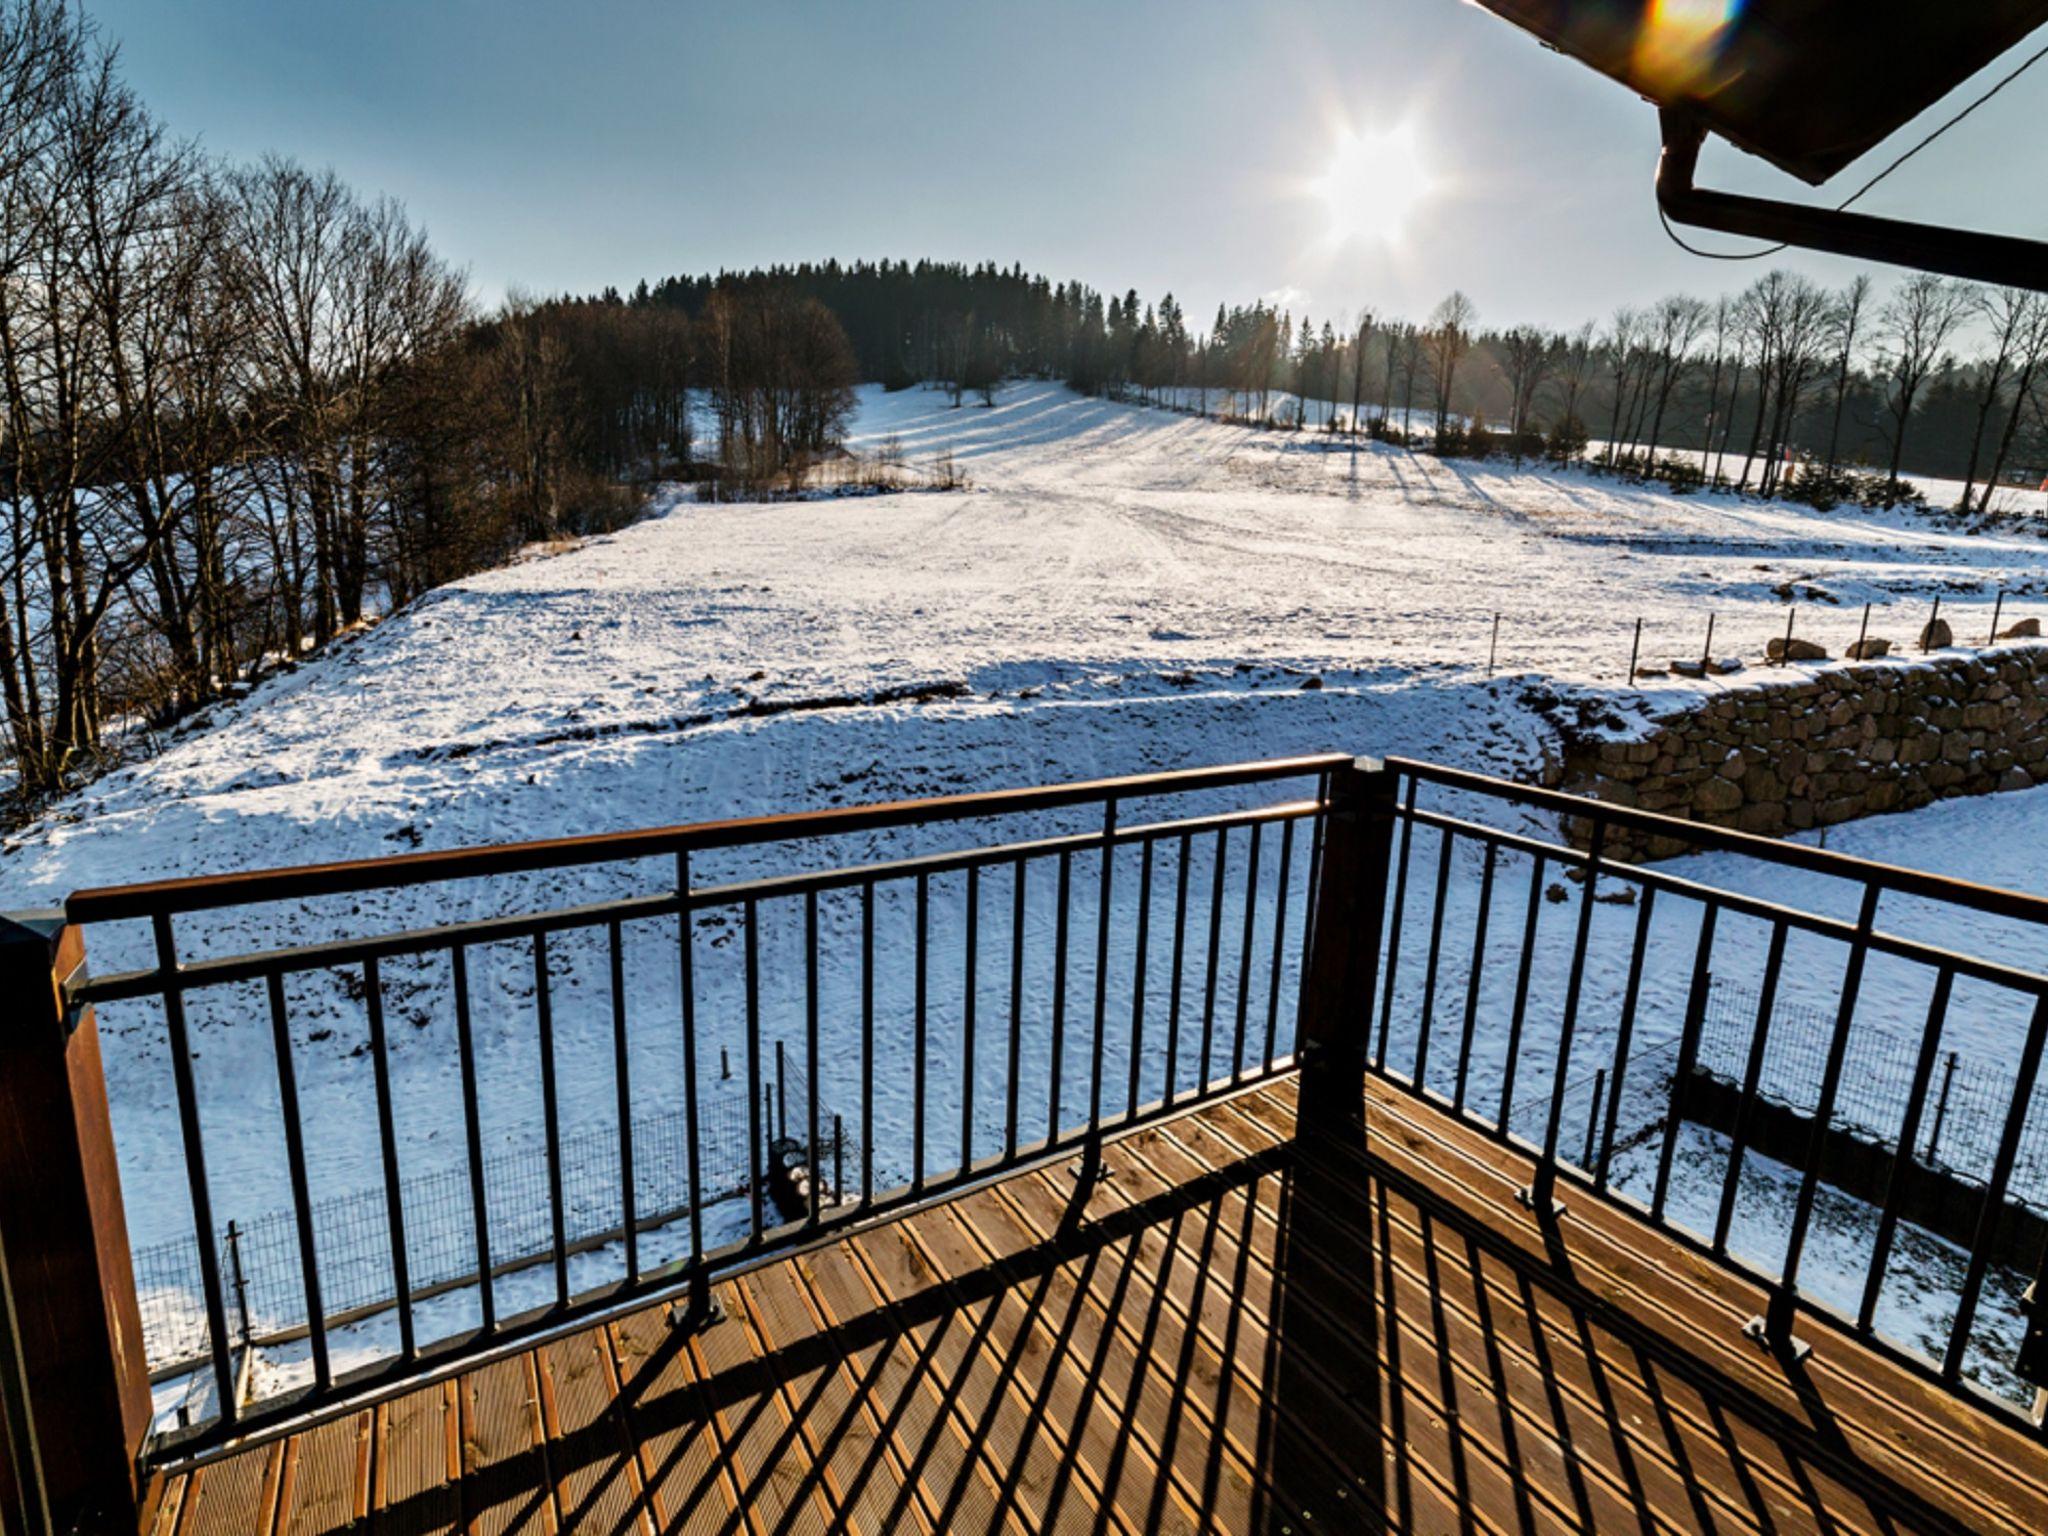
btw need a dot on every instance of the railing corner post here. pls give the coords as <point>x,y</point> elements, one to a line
<point>1343,965</point>
<point>64,1234</point>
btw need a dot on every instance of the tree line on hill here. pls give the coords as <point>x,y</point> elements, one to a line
<point>1783,388</point>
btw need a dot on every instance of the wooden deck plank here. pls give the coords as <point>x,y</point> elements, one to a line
<point>1494,1397</point>
<point>961,1482</point>
<point>1662,1419</point>
<point>326,1482</point>
<point>681,1464</point>
<point>882,1361</point>
<point>780,1490</point>
<point>838,1430</point>
<point>1127,1338</point>
<point>1054,1466</point>
<point>1243,1329</point>
<point>597,1485</point>
<point>234,1497</point>
<point>506,1489</point>
<point>417,1463</point>
<point>1871,1406</point>
<point>1308,1475</point>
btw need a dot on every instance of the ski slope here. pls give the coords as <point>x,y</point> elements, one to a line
<point>1120,590</point>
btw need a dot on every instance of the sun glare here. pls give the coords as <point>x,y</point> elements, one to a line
<point>1373,185</point>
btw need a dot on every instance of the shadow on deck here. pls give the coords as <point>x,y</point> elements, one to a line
<point>1238,1330</point>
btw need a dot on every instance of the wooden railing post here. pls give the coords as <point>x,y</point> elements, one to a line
<point>1344,964</point>
<point>66,1236</point>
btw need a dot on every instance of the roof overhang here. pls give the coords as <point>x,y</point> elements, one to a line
<point>1808,85</point>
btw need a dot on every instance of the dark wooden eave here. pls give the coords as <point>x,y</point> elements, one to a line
<point>1809,85</point>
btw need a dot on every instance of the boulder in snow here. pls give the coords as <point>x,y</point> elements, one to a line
<point>1795,649</point>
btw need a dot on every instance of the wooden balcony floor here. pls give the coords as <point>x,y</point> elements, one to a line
<point>1238,1332</point>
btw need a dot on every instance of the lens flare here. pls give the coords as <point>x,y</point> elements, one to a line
<point>1680,44</point>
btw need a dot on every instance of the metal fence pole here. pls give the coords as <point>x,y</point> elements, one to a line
<point>1593,1116</point>
<point>1948,1077</point>
<point>1997,609</point>
<point>1635,650</point>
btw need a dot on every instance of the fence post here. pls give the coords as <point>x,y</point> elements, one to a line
<point>66,1236</point>
<point>1343,968</point>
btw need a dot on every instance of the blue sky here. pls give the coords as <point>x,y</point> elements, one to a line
<point>564,146</point>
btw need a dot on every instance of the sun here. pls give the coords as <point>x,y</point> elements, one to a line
<point>1374,183</point>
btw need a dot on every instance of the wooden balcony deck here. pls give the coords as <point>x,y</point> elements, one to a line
<point>1239,1331</point>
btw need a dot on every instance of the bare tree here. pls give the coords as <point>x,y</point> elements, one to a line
<point>1526,356</point>
<point>1847,317</point>
<point>1674,329</point>
<point>1914,328</point>
<point>1449,338</point>
<point>2010,315</point>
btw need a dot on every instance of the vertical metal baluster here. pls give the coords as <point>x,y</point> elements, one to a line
<point>1315,884</point>
<point>967,1018</point>
<point>1102,905</point>
<point>1784,1298</point>
<point>1016,1062</point>
<point>1909,1131</point>
<point>686,945</point>
<point>1472,977</point>
<point>1244,958</point>
<point>622,1077</point>
<point>1429,969</point>
<point>919,1031</point>
<point>1180,939</point>
<point>1993,1208</point>
<point>1688,1052</point>
<point>1568,1027</point>
<point>1394,923</point>
<point>302,1200</point>
<point>473,1136</point>
<point>751,934</point>
<point>551,1114</point>
<point>387,1142</point>
<point>1626,1035</point>
<point>867,1043</point>
<point>1521,1008</point>
<point>1140,963</point>
<point>195,1170</point>
<point>1752,1076</point>
<point>1215,958</point>
<point>811,1048</point>
<point>1059,999</point>
<point>1279,945</point>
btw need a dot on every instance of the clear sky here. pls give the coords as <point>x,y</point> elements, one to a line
<point>560,145</point>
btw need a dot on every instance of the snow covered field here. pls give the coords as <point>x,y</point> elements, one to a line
<point>1122,590</point>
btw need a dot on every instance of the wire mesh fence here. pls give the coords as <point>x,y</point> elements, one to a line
<point>260,1256</point>
<point>1960,1125</point>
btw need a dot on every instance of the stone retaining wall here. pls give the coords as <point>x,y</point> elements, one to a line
<point>1814,747</point>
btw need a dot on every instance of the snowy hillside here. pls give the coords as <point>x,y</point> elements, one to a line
<point>1121,590</point>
